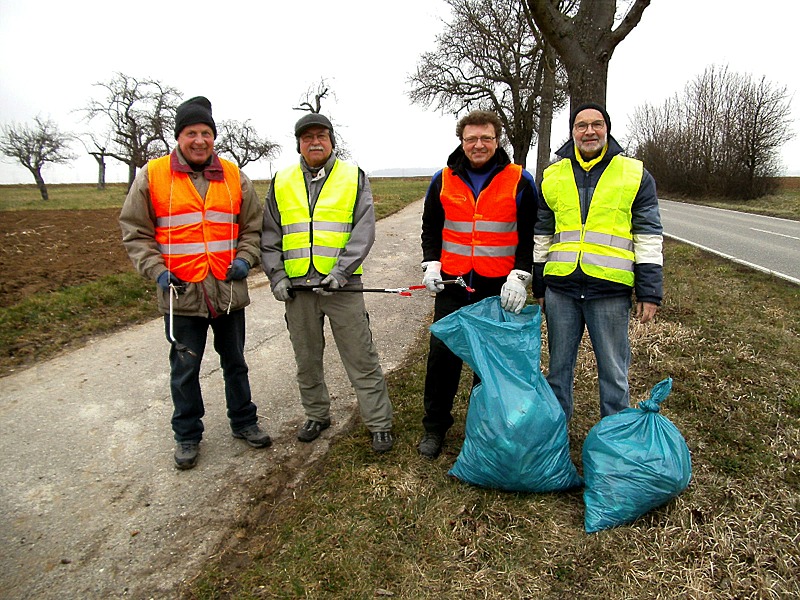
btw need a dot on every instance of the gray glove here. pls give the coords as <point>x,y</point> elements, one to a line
<point>329,282</point>
<point>433,276</point>
<point>281,290</point>
<point>514,292</point>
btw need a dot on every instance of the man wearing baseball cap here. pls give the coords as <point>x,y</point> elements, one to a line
<point>319,226</point>
<point>192,222</point>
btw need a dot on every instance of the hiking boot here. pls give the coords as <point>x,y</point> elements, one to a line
<point>186,454</point>
<point>311,430</point>
<point>431,445</point>
<point>255,436</point>
<point>382,441</point>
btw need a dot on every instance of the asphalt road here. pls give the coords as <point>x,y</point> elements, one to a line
<point>91,505</point>
<point>768,244</point>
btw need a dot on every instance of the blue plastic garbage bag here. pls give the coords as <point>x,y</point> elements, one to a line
<point>633,461</point>
<point>516,432</point>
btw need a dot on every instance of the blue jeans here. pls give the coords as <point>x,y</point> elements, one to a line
<point>607,321</point>
<point>187,399</point>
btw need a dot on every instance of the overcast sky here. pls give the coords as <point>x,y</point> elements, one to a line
<point>255,61</point>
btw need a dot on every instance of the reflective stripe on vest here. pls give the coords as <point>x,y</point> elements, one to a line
<point>323,236</point>
<point>480,235</point>
<point>604,245</point>
<point>195,235</point>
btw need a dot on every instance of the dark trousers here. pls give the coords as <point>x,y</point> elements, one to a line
<point>187,399</point>
<point>443,372</point>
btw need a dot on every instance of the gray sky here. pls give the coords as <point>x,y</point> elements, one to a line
<point>255,61</point>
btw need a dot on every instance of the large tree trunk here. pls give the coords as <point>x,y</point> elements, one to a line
<point>37,176</point>
<point>546,112</point>
<point>131,174</point>
<point>585,41</point>
<point>101,171</point>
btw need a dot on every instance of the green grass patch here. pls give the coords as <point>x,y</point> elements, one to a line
<point>391,194</point>
<point>396,525</point>
<point>44,324</point>
<point>78,196</point>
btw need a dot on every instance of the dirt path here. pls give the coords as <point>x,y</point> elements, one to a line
<point>90,503</point>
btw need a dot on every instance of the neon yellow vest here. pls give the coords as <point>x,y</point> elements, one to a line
<point>324,235</point>
<point>604,244</point>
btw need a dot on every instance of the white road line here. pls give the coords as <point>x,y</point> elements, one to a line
<point>736,260</point>
<point>791,237</point>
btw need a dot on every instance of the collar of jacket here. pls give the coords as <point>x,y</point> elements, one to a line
<point>568,150</point>
<point>327,166</point>
<point>212,171</point>
<point>459,162</point>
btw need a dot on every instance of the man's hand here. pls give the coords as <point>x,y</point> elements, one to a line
<point>514,292</point>
<point>281,290</point>
<point>167,279</point>
<point>433,276</point>
<point>645,311</point>
<point>238,269</point>
<point>329,282</point>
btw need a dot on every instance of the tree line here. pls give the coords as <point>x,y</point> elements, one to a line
<point>525,60</point>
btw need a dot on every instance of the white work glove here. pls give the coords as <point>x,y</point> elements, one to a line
<point>433,276</point>
<point>281,290</point>
<point>330,282</point>
<point>514,292</point>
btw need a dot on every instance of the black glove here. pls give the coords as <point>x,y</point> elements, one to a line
<point>238,270</point>
<point>166,279</point>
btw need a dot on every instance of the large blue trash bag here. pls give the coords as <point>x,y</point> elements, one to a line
<point>516,431</point>
<point>633,461</point>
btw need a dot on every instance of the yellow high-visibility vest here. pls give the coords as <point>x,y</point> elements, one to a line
<point>604,244</point>
<point>322,236</point>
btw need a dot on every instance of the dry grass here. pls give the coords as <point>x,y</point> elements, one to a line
<point>366,526</point>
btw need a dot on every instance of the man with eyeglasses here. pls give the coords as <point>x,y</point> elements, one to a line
<point>477,223</point>
<point>598,240</point>
<point>319,226</point>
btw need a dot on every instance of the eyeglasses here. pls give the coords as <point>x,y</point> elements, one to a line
<point>471,141</point>
<point>312,137</point>
<point>596,125</point>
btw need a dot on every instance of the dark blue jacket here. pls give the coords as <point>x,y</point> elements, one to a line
<point>433,211</point>
<point>645,220</point>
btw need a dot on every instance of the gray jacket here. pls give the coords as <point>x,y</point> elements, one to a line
<point>210,296</point>
<point>358,246</point>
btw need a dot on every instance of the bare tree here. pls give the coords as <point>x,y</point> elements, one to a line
<point>99,151</point>
<point>35,146</point>
<point>140,116</point>
<point>492,57</point>
<point>241,142</point>
<point>311,102</point>
<point>720,138</point>
<point>583,34</point>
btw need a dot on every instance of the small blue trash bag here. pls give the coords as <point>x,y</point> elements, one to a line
<point>633,461</point>
<point>516,432</point>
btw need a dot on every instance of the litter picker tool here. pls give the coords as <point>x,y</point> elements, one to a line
<point>173,291</point>
<point>402,291</point>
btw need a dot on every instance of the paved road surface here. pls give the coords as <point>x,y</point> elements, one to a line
<point>764,243</point>
<point>90,503</point>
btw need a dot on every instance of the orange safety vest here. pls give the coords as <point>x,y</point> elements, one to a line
<point>480,235</point>
<point>193,234</point>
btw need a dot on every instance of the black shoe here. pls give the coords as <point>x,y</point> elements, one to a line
<point>311,430</point>
<point>431,445</point>
<point>255,436</point>
<point>186,454</point>
<point>382,441</point>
